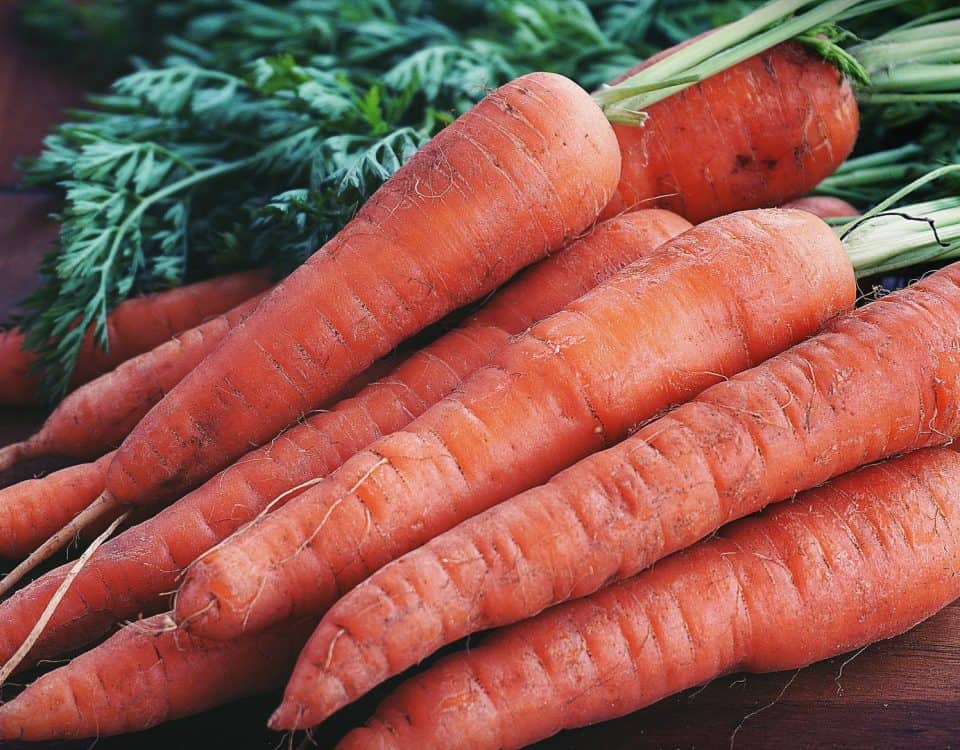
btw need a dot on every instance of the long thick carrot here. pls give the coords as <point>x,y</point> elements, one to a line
<point>877,381</point>
<point>861,559</point>
<point>515,178</point>
<point>135,326</point>
<point>98,415</point>
<point>757,134</point>
<point>129,574</point>
<point>148,673</point>
<point>713,301</point>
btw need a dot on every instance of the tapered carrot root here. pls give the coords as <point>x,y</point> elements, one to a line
<point>880,380</point>
<point>32,510</point>
<point>135,326</point>
<point>515,178</point>
<point>656,334</point>
<point>758,134</point>
<point>146,674</point>
<point>824,206</point>
<point>100,414</point>
<point>864,558</point>
<point>130,574</point>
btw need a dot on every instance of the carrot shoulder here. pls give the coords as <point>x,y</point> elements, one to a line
<point>824,206</point>
<point>757,134</point>
<point>515,178</point>
<point>711,302</point>
<point>877,381</point>
<point>130,574</point>
<point>135,326</point>
<point>858,560</point>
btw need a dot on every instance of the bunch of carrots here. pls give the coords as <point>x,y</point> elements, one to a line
<point>652,351</point>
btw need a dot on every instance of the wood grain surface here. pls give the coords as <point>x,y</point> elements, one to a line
<point>902,693</point>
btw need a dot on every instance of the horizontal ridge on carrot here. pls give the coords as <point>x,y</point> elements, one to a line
<point>145,674</point>
<point>863,558</point>
<point>128,574</point>
<point>879,380</point>
<point>135,326</point>
<point>711,302</point>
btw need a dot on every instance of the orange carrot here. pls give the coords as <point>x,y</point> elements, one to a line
<point>877,381</point>
<point>32,509</point>
<point>135,326</point>
<point>864,558</point>
<point>146,674</point>
<point>769,129</point>
<point>100,414</point>
<point>515,178</point>
<point>824,206</point>
<point>129,574</point>
<point>711,302</point>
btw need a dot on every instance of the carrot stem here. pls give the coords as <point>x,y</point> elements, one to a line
<point>716,52</point>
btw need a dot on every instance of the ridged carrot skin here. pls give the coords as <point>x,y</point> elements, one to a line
<point>517,177</point>
<point>135,326</point>
<point>31,510</point>
<point>864,558</point>
<point>715,300</point>
<point>146,674</point>
<point>128,574</point>
<point>824,206</point>
<point>877,381</point>
<point>97,416</point>
<point>758,134</point>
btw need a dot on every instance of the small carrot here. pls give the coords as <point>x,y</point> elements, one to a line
<point>135,326</point>
<point>713,301</point>
<point>148,673</point>
<point>824,206</point>
<point>98,415</point>
<point>31,510</point>
<point>863,558</point>
<point>129,574</point>
<point>877,381</point>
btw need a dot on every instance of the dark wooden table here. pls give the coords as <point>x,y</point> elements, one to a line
<point>902,693</point>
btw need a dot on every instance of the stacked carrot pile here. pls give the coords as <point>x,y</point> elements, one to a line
<point>630,387</point>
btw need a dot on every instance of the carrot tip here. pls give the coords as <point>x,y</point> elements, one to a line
<point>13,454</point>
<point>287,717</point>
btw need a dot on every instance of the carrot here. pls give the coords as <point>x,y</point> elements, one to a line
<point>100,414</point>
<point>877,381</point>
<point>864,558</point>
<point>824,206</point>
<point>31,510</point>
<point>146,674</point>
<point>769,129</point>
<point>130,574</point>
<point>515,178</point>
<point>135,326</point>
<point>711,302</point>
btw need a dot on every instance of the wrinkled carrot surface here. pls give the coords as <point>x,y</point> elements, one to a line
<point>863,558</point>
<point>714,301</point>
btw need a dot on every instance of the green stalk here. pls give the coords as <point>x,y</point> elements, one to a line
<point>885,239</point>
<point>918,233</point>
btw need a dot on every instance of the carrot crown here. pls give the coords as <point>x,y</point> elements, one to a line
<point>917,62</point>
<point>887,237</point>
